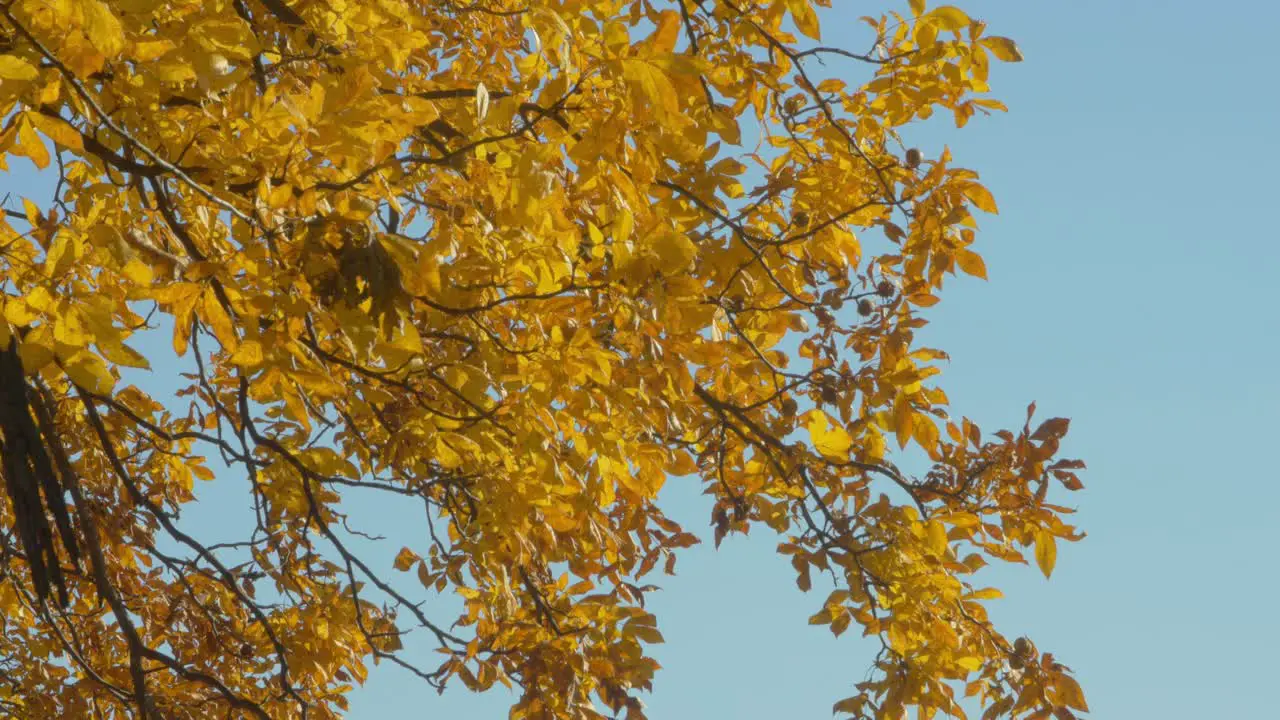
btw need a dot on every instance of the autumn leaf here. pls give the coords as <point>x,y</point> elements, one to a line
<point>981,198</point>
<point>1046,552</point>
<point>806,18</point>
<point>58,131</point>
<point>248,354</point>
<point>103,28</point>
<point>15,68</point>
<point>1003,48</point>
<point>30,144</point>
<point>405,559</point>
<point>1069,692</point>
<point>1051,428</point>
<point>947,17</point>
<point>972,263</point>
<point>937,535</point>
<point>830,440</point>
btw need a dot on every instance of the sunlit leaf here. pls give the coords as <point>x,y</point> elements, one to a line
<point>972,263</point>
<point>1003,48</point>
<point>947,17</point>
<point>15,68</point>
<point>830,440</point>
<point>1046,552</point>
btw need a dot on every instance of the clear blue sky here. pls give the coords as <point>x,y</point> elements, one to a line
<point>1133,273</point>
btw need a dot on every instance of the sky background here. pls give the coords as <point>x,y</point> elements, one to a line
<point>1132,271</point>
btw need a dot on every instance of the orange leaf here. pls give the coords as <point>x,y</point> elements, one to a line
<point>972,263</point>
<point>1046,551</point>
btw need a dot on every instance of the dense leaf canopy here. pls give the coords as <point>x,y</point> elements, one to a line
<point>518,263</point>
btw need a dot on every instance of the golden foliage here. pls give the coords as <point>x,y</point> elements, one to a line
<point>499,259</point>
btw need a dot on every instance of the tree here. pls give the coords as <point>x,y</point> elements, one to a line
<point>498,259</point>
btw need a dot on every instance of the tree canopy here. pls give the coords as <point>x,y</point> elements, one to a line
<point>519,264</point>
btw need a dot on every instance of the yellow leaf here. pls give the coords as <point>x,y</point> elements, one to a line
<point>616,35</point>
<point>89,372</point>
<point>917,7</point>
<point>50,91</point>
<point>981,198</point>
<point>280,196</point>
<point>405,559</point>
<point>873,445</point>
<point>903,420</point>
<point>446,455</point>
<point>122,354</point>
<point>15,68</point>
<point>183,310</point>
<point>20,312</point>
<point>62,253</point>
<point>173,71</point>
<point>58,131</point>
<point>726,124</point>
<point>34,218</point>
<point>1003,48</point>
<point>970,663</point>
<point>805,17</point>
<point>624,225</point>
<point>925,432</point>
<point>948,17</point>
<point>926,33</point>
<point>31,144</point>
<point>36,350</point>
<point>248,355</point>
<point>660,95</point>
<point>138,271</point>
<point>937,536</point>
<point>1046,551</point>
<point>972,263</point>
<point>146,50</point>
<point>822,617</point>
<point>68,330</point>
<point>102,28</point>
<point>40,299</point>
<point>675,251</point>
<point>219,321</point>
<point>647,633</point>
<point>831,441</point>
<point>1069,692</point>
<point>667,32</point>
<point>840,624</point>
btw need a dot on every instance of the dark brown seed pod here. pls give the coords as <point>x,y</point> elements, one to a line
<point>789,406</point>
<point>829,395</point>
